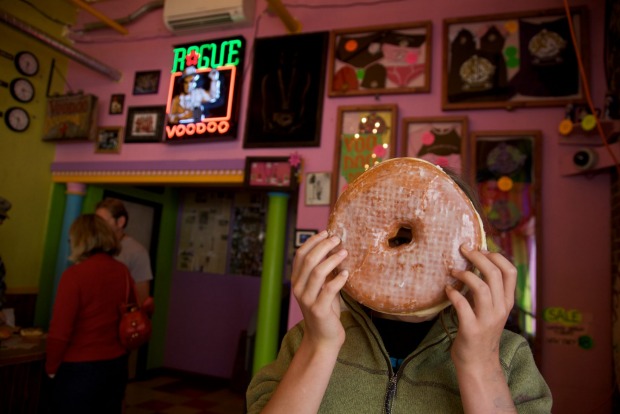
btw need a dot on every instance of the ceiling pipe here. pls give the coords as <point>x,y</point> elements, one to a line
<point>105,19</point>
<point>149,7</point>
<point>291,24</point>
<point>73,54</point>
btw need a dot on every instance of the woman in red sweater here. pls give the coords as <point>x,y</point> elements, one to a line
<point>84,355</point>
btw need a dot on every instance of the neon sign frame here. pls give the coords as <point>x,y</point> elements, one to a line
<point>220,122</point>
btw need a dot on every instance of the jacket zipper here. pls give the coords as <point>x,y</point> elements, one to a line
<point>391,391</point>
<point>393,380</point>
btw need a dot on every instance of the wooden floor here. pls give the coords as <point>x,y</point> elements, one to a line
<point>172,393</point>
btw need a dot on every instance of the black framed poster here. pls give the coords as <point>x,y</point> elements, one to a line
<point>286,95</point>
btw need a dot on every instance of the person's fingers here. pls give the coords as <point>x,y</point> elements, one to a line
<point>303,250</point>
<point>463,309</point>
<point>509,278</point>
<point>331,289</point>
<point>310,258</point>
<point>491,274</point>
<point>478,289</point>
<point>319,274</point>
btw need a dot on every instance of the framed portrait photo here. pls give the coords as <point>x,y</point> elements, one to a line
<point>301,235</point>
<point>270,173</point>
<point>109,139</point>
<point>318,188</point>
<point>146,82</point>
<point>380,60</point>
<point>117,104</point>
<point>145,124</point>
<point>440,140</point>
<point>365,136</point>
<point>513,60</point>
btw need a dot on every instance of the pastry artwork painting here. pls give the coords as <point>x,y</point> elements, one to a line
<point>380,60</point>
<point>513,60</point>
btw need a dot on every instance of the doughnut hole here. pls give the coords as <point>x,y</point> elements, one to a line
<point>400,235</point>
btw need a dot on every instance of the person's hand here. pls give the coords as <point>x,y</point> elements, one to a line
<point>317,292</point>
<point>214,74</point>
<point>482,321</point>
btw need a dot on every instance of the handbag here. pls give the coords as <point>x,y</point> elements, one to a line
<point>135,326</point>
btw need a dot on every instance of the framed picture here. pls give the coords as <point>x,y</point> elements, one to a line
<point>318,187</point>
<point>109,139</point>
<point>145,123</point>
<point>366,135</point>
<point>507,175</point>
<point>513,60</point>
<point>380,60</point>
<point>286,93</point>
<point>146,82</point>
<point>302,235</point>
<point>440,140</point>
<point>269,173</point>
<point>117,104</point>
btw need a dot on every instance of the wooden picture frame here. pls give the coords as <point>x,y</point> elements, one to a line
<point>117,104</point>
<point>380,60</point>
<point>109,139</point>
<point>269,173</point>
<point>146,82</point>
<point>366,135</point>
<point>318,188</point>
<point>301,235</point>
<point>145,124</point>
<point>513,60</point>
<point>441,140</point>
<point>506,172</point>
<point>285,105</point>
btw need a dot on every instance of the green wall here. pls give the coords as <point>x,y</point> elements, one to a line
<point>24,159</point>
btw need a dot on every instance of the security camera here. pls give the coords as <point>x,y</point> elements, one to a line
<point>585,159</point>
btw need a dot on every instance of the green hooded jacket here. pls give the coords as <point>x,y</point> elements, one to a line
<point>363,380</point>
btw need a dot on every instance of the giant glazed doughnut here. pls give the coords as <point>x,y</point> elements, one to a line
<point>402,223</point>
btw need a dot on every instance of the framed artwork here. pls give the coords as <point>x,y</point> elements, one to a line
<point>145,123</point>
<point>286,93</point>
<point>269,173</point>
<point>318,187</point>
<point>146,82</point>
<point>440,140</point>
<point>109,139</point>
<point>513,60</point>
<point>506,171</point>
<point>380,60</point>
<point>366,135</point>
<point>117,104</point>
<point>301,235</point>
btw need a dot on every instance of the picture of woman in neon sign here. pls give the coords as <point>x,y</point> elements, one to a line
<point>193,103</point>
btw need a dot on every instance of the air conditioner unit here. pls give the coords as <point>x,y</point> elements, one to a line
<point>194,15</point>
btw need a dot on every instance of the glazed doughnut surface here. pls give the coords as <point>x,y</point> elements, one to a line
<point>402,222</point>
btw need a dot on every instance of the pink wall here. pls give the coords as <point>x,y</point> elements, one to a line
<point>576,209</point>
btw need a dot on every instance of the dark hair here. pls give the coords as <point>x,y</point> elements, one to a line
<point>115,207</point>
<point>471,193</point>
<point>89,235</point>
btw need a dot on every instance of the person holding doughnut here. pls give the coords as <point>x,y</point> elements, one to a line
<point>345,357</point>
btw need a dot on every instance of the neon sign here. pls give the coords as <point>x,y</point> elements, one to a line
<point>204,91</point>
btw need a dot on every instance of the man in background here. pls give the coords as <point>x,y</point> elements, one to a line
<point>5,206</point>
<point>132,254</point>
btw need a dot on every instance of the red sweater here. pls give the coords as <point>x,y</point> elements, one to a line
<point>86,315</point>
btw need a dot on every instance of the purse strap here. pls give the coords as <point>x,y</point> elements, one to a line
<point>128,291</point>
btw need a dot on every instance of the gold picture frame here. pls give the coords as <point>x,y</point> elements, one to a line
<point>366,135</point>
<point>109,139</point>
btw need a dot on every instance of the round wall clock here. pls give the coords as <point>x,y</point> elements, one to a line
<point>17,119</point>
<point>22,90</point>
<point>27,63</point>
